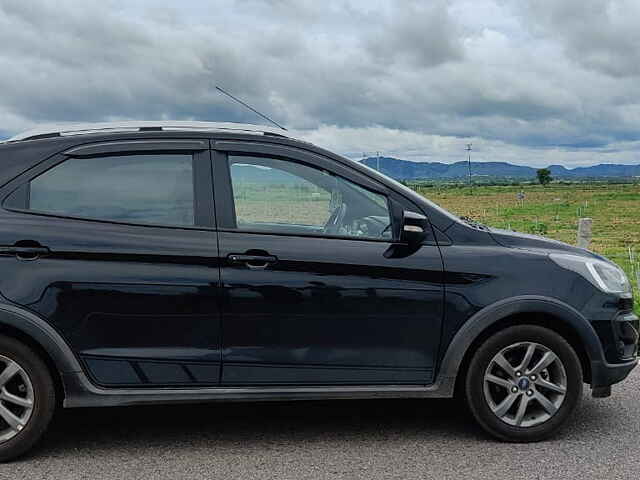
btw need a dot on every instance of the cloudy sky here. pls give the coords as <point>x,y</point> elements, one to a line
<point>530,82</point>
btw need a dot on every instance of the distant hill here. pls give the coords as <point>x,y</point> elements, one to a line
<point>406,170</point>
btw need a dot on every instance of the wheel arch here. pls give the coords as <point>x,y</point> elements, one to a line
<point>41,337</point>
<point>532,310</point>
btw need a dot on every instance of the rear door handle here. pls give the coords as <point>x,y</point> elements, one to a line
<point>24,253</point>
<point>254,262</point>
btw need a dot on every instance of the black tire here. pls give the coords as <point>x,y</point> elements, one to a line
<point>44,398</point>
<point>480,362</point>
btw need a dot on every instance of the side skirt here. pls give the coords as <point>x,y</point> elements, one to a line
<point>79,392</point>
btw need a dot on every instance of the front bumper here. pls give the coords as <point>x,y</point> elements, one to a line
<point>605,374</point>
<point>620,345</point>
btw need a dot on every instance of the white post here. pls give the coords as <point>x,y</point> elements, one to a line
<point>584,232</point>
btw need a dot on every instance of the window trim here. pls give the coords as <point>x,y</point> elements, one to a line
<point>224,192</point>
<point>139,147</point>
<point>202,182</point>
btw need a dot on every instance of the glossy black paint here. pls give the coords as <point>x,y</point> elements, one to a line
<point>117,291</point>
<point>137,304</point>
<point>144,306</point>
<point>329,311</point>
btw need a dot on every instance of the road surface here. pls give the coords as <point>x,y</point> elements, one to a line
<point>390,439</point>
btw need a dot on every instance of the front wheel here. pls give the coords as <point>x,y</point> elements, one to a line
<point>523,383</point>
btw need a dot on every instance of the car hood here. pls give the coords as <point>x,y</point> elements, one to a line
<point>536,243</point>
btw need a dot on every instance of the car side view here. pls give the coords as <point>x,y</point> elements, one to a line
<point>161,262</point>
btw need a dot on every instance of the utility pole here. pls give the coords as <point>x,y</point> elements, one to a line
<point>378,162</point>
<point>468,149</point>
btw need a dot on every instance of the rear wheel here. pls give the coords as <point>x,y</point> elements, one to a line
<point>524,383</point>
<point>27,398</point>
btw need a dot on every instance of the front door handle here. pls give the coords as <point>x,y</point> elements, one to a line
<point>254,262</point>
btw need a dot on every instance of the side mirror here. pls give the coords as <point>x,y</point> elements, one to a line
<point>415,228</point>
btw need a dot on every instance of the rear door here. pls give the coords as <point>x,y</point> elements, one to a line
<point>311,294</point>
<point>113,243</point>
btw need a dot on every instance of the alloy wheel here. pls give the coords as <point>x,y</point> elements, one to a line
<point>16,398</point>
<point>525,384</point>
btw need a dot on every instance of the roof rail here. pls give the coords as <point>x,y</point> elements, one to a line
<point>59,130</point>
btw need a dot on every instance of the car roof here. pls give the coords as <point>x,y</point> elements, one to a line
<point>68,129</point>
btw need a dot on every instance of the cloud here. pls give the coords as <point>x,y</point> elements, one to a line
<point>423,147</point>
<point>599,35</point>
<point>422,34</point>
<point>533,81</point>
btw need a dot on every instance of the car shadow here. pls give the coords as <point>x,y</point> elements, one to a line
<point>81,429</point>
<point>224,427</point>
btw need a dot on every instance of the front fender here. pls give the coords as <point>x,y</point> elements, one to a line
<point>497,311</point>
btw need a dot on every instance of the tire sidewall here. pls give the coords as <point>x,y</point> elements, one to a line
<point>474,385</point>
<point>44,400</point>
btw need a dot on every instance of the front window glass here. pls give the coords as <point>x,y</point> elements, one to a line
<point>283,196</point>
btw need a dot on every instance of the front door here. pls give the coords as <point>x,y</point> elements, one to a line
<point>117,250</point>
<point>309,296</point>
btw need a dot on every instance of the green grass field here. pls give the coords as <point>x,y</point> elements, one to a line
<point>553,211</point>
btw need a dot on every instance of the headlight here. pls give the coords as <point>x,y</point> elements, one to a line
<point>607,277</point>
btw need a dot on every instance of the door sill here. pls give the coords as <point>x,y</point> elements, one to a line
<point>80,392</point>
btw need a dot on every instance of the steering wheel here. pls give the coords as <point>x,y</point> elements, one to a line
<point>385,229</point>
<point>335,219</point>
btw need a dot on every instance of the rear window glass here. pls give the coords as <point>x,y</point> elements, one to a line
<point>154,189</point>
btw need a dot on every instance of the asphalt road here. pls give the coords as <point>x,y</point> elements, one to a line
<point>401,439</point>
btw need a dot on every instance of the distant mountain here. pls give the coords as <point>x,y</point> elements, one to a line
<point>406,170</point>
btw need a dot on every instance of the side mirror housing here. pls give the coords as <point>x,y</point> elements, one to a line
<point>415,228</point>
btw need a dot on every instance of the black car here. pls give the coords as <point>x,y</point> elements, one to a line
<point>159,262</point>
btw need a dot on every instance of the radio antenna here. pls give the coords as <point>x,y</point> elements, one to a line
<point>250,108</point>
